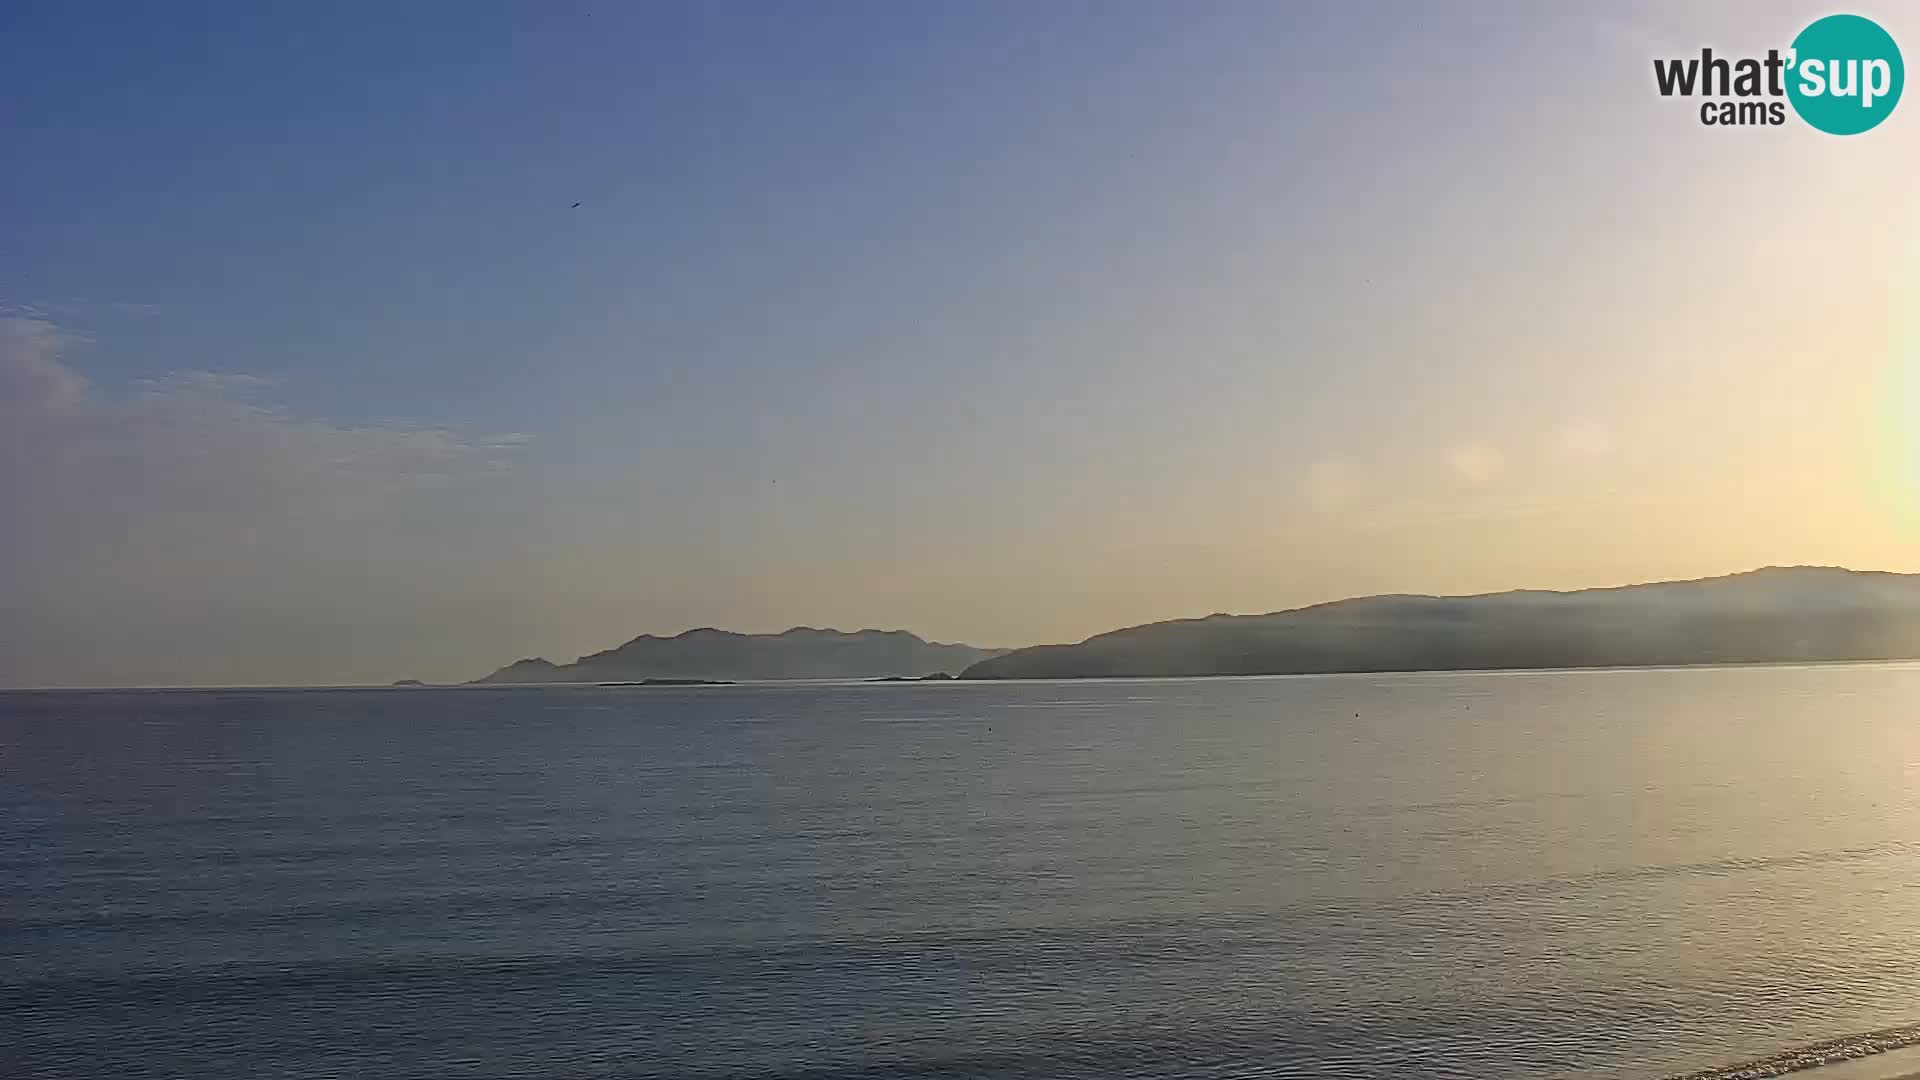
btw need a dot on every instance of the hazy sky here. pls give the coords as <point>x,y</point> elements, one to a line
<point>1000,323</point>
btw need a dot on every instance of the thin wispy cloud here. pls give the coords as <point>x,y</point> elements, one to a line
<point>198,441</point>
<point>1476,462</point>
<point>32,378</point>
<point>178,502</point>
<point>1582,440</point>
<point>220,382</point>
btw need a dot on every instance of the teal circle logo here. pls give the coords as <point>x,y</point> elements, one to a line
<point>1845,74</point>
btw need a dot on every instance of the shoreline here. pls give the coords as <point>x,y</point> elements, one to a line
<point>1730,665</point>
<point>1886,1054</point>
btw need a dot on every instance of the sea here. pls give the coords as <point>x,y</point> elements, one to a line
<point>1607,874</point>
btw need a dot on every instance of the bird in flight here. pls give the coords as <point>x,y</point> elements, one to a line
<point>576,206</point>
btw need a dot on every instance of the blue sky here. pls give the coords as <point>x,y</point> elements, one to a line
<point>997,322</point>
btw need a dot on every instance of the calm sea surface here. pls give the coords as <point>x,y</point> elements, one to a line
<point>1607,874</point>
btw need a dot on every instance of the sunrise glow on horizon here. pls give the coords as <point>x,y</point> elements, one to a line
<point>1006,329</point>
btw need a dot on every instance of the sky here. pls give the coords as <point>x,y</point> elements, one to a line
<point>1001,323</point>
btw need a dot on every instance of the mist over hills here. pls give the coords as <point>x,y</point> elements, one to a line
<point>1771,615</point>
<point>800,653</point>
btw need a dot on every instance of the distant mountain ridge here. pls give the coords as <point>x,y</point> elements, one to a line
<point>1771,615</point>
<point>800,653</point>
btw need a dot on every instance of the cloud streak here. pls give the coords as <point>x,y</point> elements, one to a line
<point>32,378</point>
<point>1583,440</point>
<point>198,440</point>
<point>1476,462</point>
<point>148,501</point>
